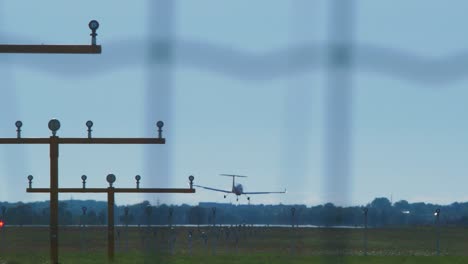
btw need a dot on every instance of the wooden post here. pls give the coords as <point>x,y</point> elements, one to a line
<point>53,225</point>
<point>110,223</point>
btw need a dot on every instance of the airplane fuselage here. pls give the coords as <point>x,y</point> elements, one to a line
<point>238,189</point>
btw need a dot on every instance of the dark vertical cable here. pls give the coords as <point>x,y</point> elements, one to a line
<point>9,113</point>
<point>338,103</point>
<point>297,117</point>
<point>159,91</point>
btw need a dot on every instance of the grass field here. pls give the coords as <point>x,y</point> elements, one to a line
<point>237,245</point>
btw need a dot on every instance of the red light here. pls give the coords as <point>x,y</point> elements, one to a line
<point>1,224</point>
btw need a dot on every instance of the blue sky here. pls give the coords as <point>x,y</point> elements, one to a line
<point>240,101</point>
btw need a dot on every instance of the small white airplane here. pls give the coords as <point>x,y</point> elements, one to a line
<point>237,189</point>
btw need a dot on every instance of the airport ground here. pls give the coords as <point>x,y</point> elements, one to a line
<point>238,245</point>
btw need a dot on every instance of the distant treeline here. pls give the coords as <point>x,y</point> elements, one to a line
<point>381,212</point>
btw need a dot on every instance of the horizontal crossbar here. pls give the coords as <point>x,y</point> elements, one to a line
<point>112,140</point>
<point>24,140</point>
<point>115,190</point>
<point>58,49</point>
<point>84,140</point>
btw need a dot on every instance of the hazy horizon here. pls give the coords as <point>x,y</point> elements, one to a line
<point>335,103</point>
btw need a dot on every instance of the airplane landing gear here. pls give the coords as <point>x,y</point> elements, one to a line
<point>224,196</point>
<point>237,199</point>
<point>248,199</point>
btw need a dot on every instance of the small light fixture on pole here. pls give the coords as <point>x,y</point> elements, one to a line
<point>160,125</point>
<point>191,178</point>
<point>89,124</point>
<point>30,178</point>
<point>54,126</point>
<point>83,178</point>
<point>138,178</point>
<point>93,25</point>
<point>110,179</point>
<point>18,125</point>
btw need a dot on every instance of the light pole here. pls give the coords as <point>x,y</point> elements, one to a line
<point>111,190</point>
<point>365,211</point>
<point>213,232</point>
<point>171,232</point>
<point>437,215</point>
<point>148,211</point>
<point>3,212</point>
<point>54,141</point>
<point>126,226</point>
<point>169,217</point>
<point>213,212</point>
<point>293,213</point>
<point>83,221</point>
<point>2,220</point>
<point>82,228</point>
<point>147,233</point>
<point>2,226</point>
<point>190,234</point>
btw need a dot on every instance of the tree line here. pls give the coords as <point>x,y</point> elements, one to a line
<point>380,213</point>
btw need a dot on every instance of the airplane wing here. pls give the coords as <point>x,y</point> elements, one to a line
<point>213,189</point>
<point>262,192</point>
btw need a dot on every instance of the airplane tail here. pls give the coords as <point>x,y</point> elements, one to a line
<point>233,175</point>
<point>233,179</point>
